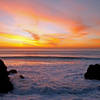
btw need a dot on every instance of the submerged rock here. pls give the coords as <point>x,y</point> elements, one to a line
<point>12,71</point>
<point>21,76</point>
<point>93,72</point>
<point>5,84</point>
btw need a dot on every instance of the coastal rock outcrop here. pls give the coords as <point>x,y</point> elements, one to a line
<point>93,72</point>
<point>12,71</point>
<point>5,84</point>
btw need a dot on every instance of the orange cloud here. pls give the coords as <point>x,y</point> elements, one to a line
<point>34,35</point>
<point>76,31</point>
<point>46,41</point>
<point>40,12</point>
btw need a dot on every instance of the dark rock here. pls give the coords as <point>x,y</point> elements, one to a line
<point>13,71</point>
<point>21,76</point>
<point>93,72</point>
<point>5,84</point>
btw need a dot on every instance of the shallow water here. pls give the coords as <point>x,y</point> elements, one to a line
<point>54,78</point>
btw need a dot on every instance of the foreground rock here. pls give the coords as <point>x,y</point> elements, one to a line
<point>5,84</point>
<point>93,72</point>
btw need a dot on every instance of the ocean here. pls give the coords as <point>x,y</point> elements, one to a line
<point>51,74</point>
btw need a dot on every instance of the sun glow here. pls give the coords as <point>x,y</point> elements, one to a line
<point>17,41</point>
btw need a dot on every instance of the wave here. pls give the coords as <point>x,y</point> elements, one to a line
<point>54,91</point>
<point>48,57</point>
<point>29,87</point>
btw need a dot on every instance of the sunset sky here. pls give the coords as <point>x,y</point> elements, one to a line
<point>49,23</point>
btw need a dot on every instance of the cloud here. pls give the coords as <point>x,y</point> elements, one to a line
<point>78,27</point>
<point>34,35</point>
<point>43,12</point>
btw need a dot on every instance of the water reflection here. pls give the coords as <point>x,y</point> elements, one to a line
<point>30,62</point>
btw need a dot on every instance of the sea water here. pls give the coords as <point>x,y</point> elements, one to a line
<point>51,74</point>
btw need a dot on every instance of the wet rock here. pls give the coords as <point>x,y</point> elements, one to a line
<point>13,71</point>
<point>5,84</point>
<point>21,76</point>
<point>93,72</point>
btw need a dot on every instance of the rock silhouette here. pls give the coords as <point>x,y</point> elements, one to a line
<point>12,71</point>
<point>21,76</point>
<point>5,84</point>
<point>93,72</point>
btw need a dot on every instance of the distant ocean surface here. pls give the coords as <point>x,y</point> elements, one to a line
<point>51,74</point>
